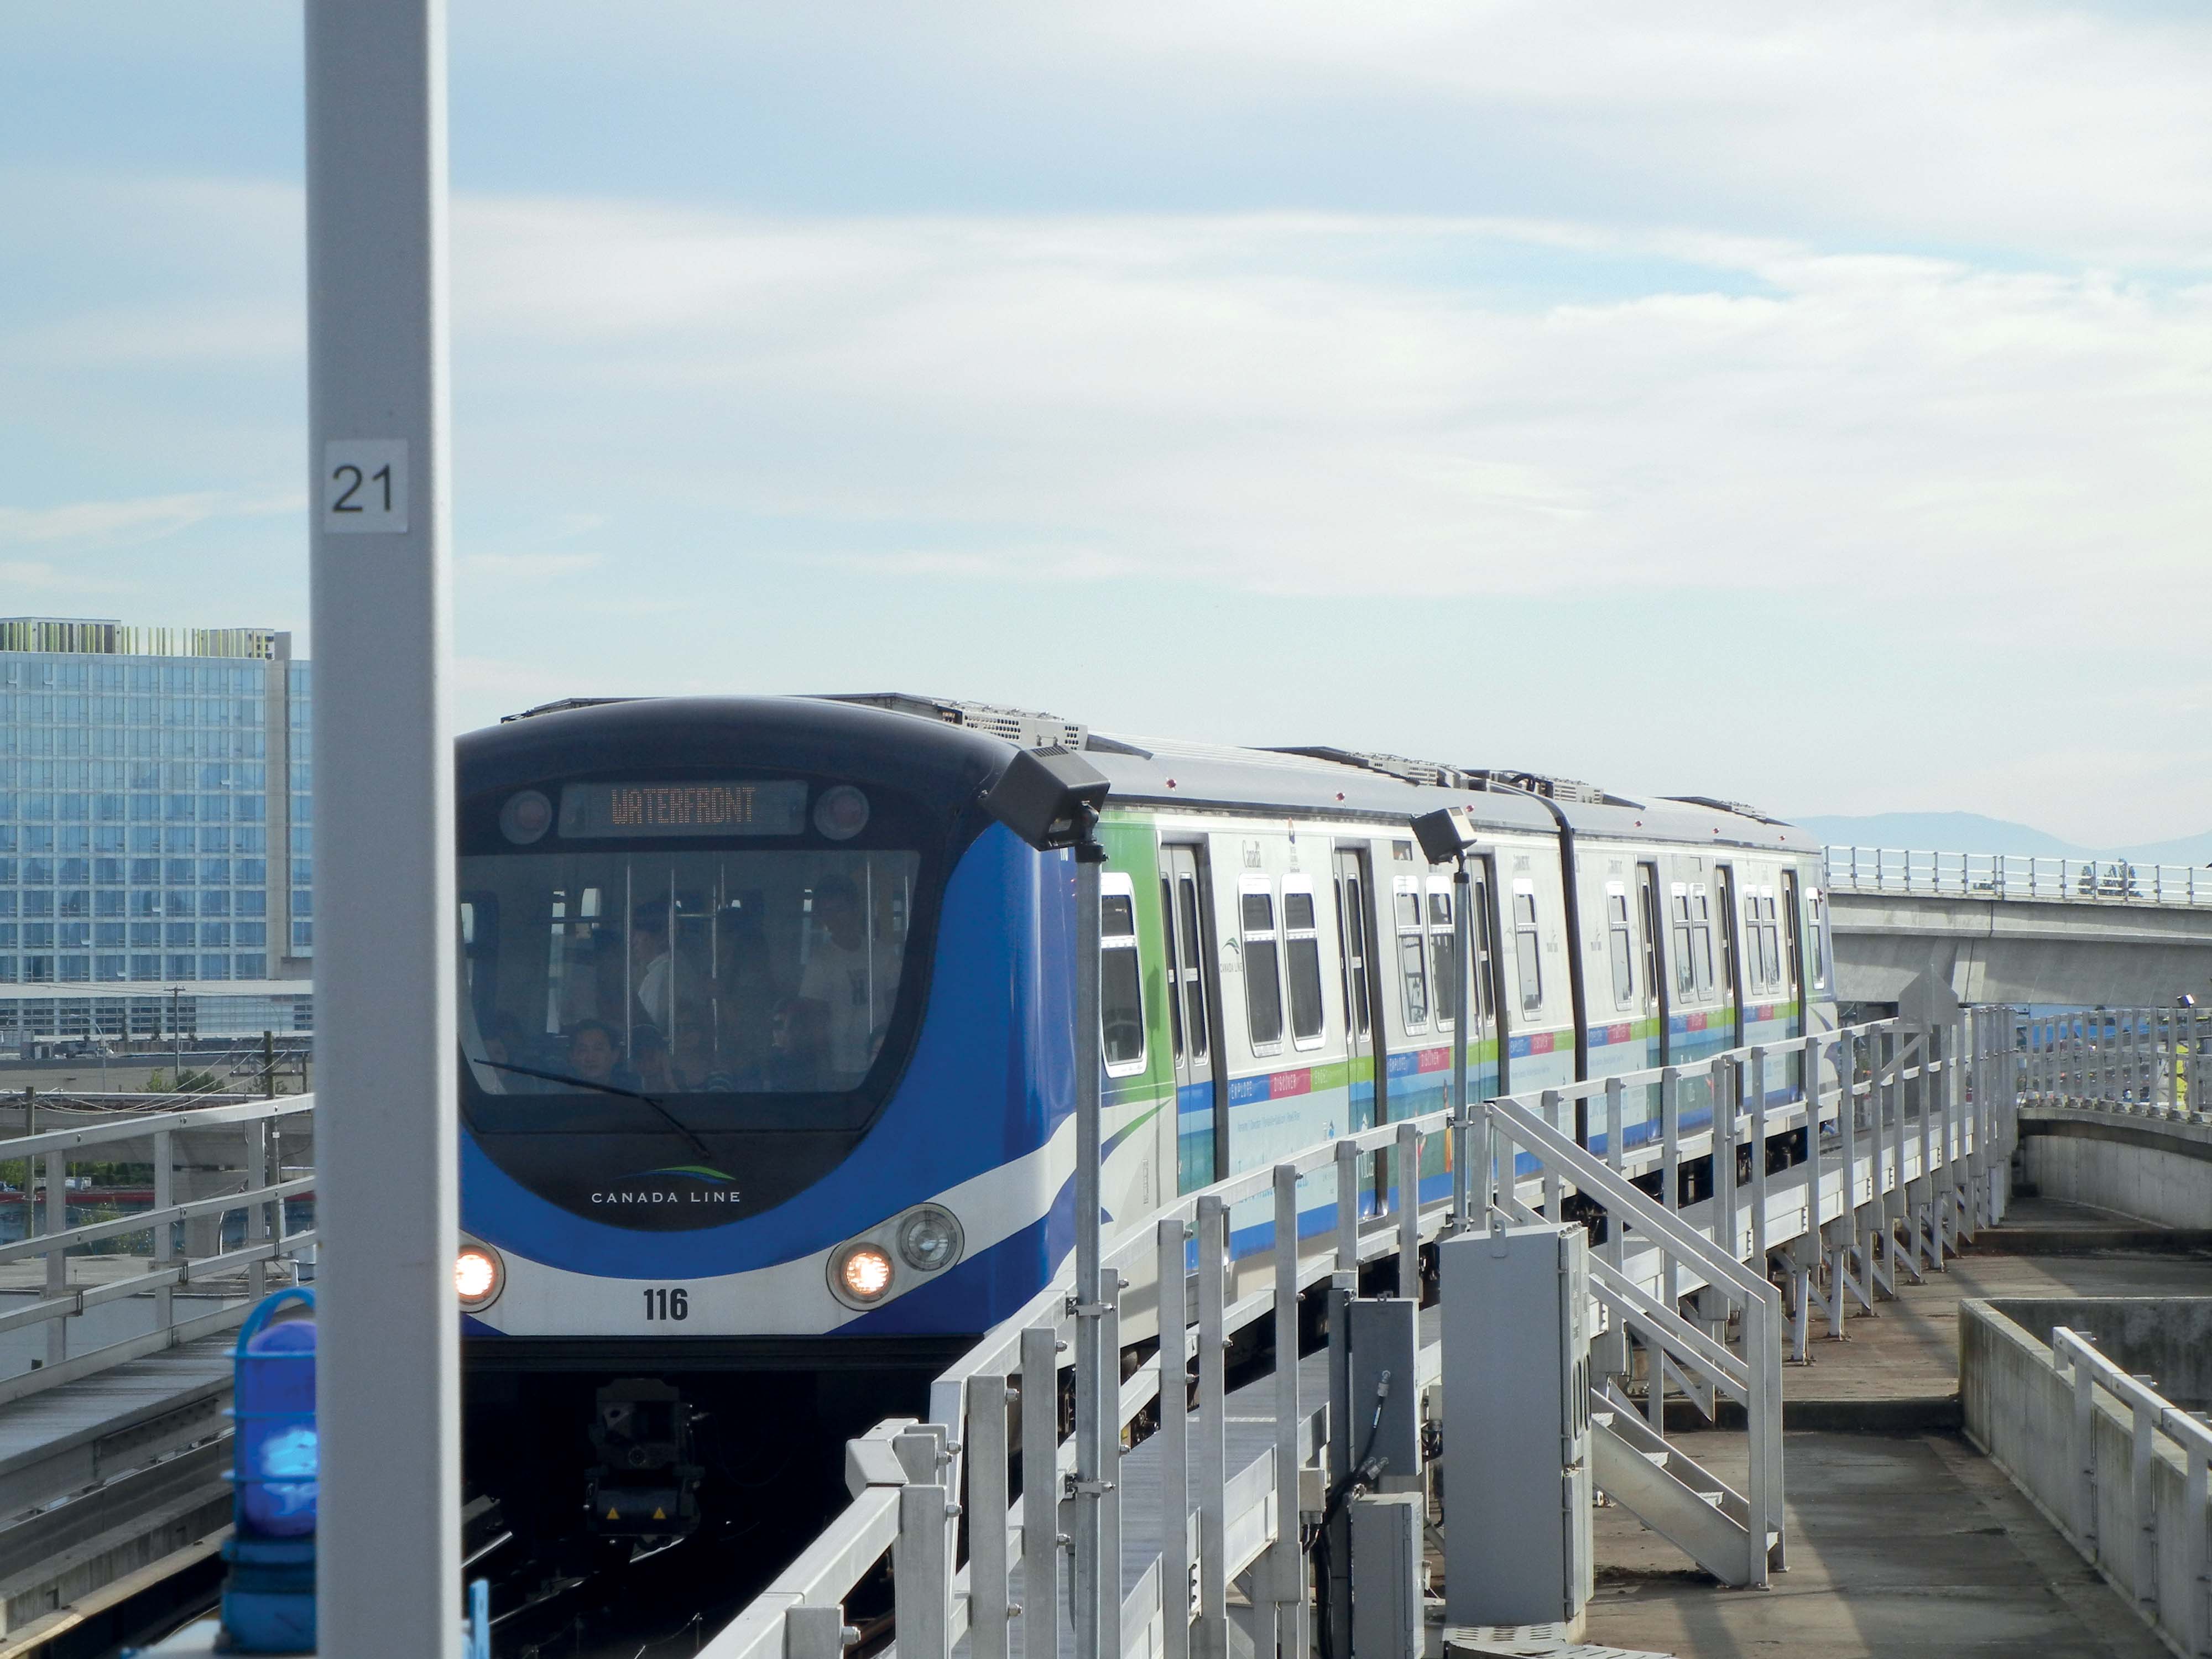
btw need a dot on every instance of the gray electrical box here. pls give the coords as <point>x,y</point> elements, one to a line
<point>1516,1331</point>
<point>1387,1619</point>
<point>1384,1336</point>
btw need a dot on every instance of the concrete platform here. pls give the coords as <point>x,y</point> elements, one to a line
<point>1901,1544</point>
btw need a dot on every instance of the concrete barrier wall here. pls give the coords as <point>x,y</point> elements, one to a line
<point>2166,1339</point>
<point>2019,1410</point>
<point>2139,1166</point>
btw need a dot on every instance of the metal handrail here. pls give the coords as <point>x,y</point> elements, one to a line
<point>2146,1062</point>
<point>2151,1416</point>
<point>267,1187</point>
<point>1917,871</point>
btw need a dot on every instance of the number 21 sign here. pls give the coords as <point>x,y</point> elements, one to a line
<point>365,486</point>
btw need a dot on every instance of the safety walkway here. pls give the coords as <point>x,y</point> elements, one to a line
<point>1905,1541</point>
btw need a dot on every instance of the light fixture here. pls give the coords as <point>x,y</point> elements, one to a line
<point>930,1239</point>
<point>862,1273</point>
<point>478,1276</point>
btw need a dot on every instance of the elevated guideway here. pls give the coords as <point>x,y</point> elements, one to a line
<point>1705,1281</point>
<point>2000,928</point>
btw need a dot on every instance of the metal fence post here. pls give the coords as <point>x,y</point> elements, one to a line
<point>257,1213</point>
<point>57,1254</point>
<point>985,1453</point>
<point>1723,1083</point>
<point>1211,1469</point>
<point>1175,1560</point>
<point>921,1573</point>
<point>1289,1561</point>
<point>1347,1207</point>
<point>165,1234</point>
<point>1759,1158</point>
<point>1409,1213</point>
<point>1041,1534</point>
<point>1670,1164</point>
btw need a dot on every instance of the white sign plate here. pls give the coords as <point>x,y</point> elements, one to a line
<point>365,486</point>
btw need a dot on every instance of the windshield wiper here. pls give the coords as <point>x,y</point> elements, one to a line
<point>667,1116</point>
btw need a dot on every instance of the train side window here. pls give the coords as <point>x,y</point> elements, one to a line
<point>1528,958</point>
<point>1617,933</point>
<point>1302,964</point>
<point>1349,929</point>
<point>1263,971</point>
<point>1193,981</point>
<point>1444,964</point>
<point>1817,944</point>
<point>1167,953</point>
<point>1770,937</point>
<point>1478,925</point>
<point>1405,913</point>
<point>1701,931</point>
<point>1685,977</point>
<point>1121,977</point>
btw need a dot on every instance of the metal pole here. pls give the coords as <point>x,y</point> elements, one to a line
<point>388,1397</point>
<point>1096,1416</point>
<point>1462,962</point>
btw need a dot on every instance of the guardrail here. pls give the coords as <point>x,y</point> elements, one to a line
<point>1904,1136</point>
<point>2132,1541</point>
<point>2015,876</point>
<point>272,1162</point>
<point>2146,1061</point>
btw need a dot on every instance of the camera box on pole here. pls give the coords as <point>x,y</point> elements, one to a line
<point>1516,1425</point>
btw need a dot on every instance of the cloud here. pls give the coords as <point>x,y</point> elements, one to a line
<point>1330,404</point>
<point>526,566</point>
<point>39,576</point>
<point>139,519</point>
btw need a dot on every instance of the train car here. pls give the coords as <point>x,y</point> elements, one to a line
<point>767,1056</point>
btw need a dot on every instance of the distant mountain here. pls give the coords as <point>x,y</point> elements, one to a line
<point>1941,832</point>
<point>1971,832</point>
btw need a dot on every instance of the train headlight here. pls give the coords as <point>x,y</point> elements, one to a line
<point>478,1276</point>
<point>929,1239</point>
<point>864,1272</point>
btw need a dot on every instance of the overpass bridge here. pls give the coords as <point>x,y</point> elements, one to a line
<point>2000,928</point>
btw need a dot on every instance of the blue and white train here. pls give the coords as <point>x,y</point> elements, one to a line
<point>767,1059</point>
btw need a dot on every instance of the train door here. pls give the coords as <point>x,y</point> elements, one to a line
<point>1731,965</point>
<point>1355,938</point>
<point>1187,916</point>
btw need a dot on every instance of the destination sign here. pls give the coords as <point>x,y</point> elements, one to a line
<point>601,810</point>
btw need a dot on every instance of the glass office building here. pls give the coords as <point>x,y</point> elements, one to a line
<point>156,858</point>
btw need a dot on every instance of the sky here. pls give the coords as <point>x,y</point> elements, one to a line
<point>1805,406</point>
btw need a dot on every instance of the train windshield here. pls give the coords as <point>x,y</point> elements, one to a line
<point>697,971</point>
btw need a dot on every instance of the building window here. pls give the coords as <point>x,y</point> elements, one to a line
<point>252,966</point>
<point>1263,972</point>
<point>215,967</point>
<point>1121,977</point>
<point>303,936</point>
<point>1302,961</point>
<point>1527,960</point>
<point>107,968</point>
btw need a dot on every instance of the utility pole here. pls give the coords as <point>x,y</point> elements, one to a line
<point>387,1363</point>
